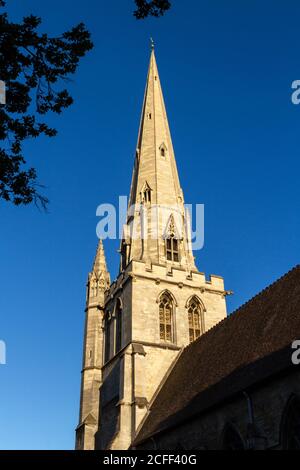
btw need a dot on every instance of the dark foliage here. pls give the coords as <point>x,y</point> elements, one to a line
<point>151,8</point>
<point>33,67</point>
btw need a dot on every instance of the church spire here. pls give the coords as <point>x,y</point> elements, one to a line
<point>154,141</point>
<point>155,186</point>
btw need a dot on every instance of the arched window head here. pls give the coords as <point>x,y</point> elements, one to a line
<point>232,439</point>
<point>119,321</point>
<point>291,425</point>
<point>195,317</point>
<point>166,313</point>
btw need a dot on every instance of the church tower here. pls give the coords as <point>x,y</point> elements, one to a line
<point>98,283</point>
<point>159,302</point>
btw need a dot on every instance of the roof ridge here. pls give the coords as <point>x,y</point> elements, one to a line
<point>242,306</point>
<point>265,289</point>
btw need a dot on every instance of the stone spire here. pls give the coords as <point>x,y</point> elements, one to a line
<point>99,271</point>
<point>155,189</point>
<point>98,283</point>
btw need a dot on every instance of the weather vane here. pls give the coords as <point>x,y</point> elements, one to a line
<point>152,44</point>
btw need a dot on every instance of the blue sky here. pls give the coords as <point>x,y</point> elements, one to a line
<point>226,70</point>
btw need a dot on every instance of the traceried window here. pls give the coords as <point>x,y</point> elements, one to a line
<point>119,318</point>
<point>195,316</point>
<point>172,241</point>
<point>172,248</point>
<point>166,317</point>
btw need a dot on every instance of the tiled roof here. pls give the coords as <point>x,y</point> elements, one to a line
<point>248,346</point>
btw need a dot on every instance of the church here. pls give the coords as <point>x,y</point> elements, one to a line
<point>163,366</point>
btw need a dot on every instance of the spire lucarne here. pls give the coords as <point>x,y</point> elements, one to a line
<point>156,197</point>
